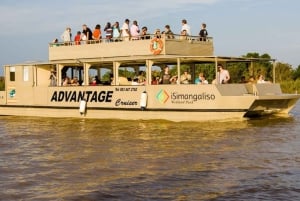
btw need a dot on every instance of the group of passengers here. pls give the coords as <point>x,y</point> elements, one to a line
<point>113,32</point>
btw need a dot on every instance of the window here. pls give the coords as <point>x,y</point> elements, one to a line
<point>25,73</point>
<point>12,73</point>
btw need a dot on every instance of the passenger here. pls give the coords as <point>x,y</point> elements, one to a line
<point>169,34</point>
<point>243,80</point>
<point>204,81</point>
<point>94,82</point>
<point>251,80</point>
<point>125,33</point>
<point>174,79</point>
<point>97,33</point>
<point>201,79</point>
<point>66,81</point>
<point>155,81</point>
<point>74,82</point>
<point>224,76</point>
<point>116,31</point>
<point>108,32</point>
<point>144,34</point>
<point>183,35</point>
<point>83,38</point>
<point>157,33</point>
<point>203,32</point>
<point>185,78</point>
<point>55,43</point>
<point>87,32</point>
<point>97,80</point>
<point>141,78</point>
<point>134,31</point>
<point>135,81</point>
<point>53,78</point>
<point>77,38</point>
<point>165,76</point>
<point>186,27</point>
<point>261,79</point>
<point>66,36</point>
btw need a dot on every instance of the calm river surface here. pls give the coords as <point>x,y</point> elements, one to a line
<point>78,160</point>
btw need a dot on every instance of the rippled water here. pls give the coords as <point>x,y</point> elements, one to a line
<point>73,159</point>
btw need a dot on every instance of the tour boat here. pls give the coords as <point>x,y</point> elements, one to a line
<point>38,88</point>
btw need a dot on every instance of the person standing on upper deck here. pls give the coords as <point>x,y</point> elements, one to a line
<point>223,74</point>
<point>116,31</point>
<point>203,32</point>
<point>186,27</point>
<point>97,33</point>
<point>125,33</point>
<point>134,30</point>
<point>87,31</point>
<point>169,34</point>
<point>66,36</point>
<point>108,31</point>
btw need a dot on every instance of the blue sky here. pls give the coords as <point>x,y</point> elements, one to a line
<point>237,26</point>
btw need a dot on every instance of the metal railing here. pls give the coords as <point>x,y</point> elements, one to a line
<point>125,39</point>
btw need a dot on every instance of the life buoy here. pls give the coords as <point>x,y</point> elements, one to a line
<point>156,46</point>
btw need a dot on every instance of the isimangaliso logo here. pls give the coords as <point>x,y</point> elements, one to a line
<point>12,93</point>
<point>162,96</point>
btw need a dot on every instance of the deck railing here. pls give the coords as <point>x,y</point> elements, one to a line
<point>124,39</point>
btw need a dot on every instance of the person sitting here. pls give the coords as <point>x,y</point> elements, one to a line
<point>261,79</point>
<point>185,78</point>
<point>251,80</point>
<point>74,82</point>
<point>155,81</point>
<point>174,79</point>
<point>169,34</point>
<point>183,35</point>
<point>66,81</point>
<point>201,79</point>
<point>97,80</point>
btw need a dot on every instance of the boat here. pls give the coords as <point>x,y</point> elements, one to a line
<point>38,89</point>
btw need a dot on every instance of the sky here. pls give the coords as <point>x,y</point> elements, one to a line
<point>237,26</point>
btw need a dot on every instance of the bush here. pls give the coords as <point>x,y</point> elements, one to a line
<point>290,86</point>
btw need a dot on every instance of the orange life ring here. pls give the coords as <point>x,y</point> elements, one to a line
<point>156,46</point>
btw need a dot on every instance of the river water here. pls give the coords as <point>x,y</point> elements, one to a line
<point>78,160</point>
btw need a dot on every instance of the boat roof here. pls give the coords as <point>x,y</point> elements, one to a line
<point>140,60</point>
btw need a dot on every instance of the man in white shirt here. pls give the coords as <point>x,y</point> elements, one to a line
<point>186,27</point>
<point>125,30</point>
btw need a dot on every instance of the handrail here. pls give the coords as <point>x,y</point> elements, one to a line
<point>122,39</point>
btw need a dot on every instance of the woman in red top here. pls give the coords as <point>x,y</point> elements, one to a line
<point>97,33</point>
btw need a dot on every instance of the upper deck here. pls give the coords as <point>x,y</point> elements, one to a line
<point>191,46</point>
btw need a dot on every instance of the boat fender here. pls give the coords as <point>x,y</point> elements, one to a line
<point>82,107</point>
<point>156,46</point>
<point>143,101</point>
